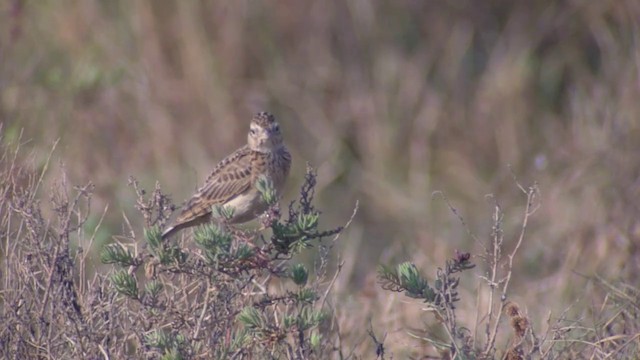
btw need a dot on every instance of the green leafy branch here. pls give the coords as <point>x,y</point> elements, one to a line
<point>441,296</point>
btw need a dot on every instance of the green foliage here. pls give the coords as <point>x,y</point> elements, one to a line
<point>315,339</point>
<point>125,284</point>
<point>288,239</point>
<point>441,297</point>
<point>268,191</point>
<point>171,255</point>
<point>165,252</point>
<point>251,318</point>
<point>295,236</point>
<point>227,212</point>
<point>152,290</point>
<point>306,295</point>
<point>414,284</point>
<point>223,212</point>
<point>172,354</point>
<point>309,318</point>
<point>153,235</point>
<point>299,274</point>
<point>239,339</point>
<point>172,346</point>
<point>296,233</point>
<point>116,254</point>
<point>406,277</point>
<point>242,252</point>
<point>218,247</point>
<point>307,223</point>
<point>213,240</point>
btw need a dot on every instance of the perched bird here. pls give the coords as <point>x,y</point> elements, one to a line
<point>232,183</point>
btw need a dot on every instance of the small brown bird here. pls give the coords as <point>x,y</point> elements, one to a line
<point>232,183</point>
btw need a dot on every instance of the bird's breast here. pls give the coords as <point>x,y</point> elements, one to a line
<point>280,164</point>
<point>247,206</point>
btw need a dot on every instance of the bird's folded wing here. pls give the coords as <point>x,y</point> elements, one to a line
<point>230,178</point>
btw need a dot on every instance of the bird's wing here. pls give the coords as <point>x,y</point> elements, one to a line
<point>230,178</point>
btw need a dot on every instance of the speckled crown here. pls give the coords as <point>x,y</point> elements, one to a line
<point>264,119</point>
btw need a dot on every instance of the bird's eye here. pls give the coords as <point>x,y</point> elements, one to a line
<point>252,131</point>
<point>276,128</point>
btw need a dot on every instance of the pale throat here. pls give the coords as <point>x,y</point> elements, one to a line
<point>266,146</point>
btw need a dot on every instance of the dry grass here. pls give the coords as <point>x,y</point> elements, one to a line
<point>238,295</point>
<point>391,101</point>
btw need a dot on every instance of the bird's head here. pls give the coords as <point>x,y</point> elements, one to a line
<point>264,133</point>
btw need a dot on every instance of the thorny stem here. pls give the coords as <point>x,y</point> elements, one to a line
<point>196,332</point>
<point>340,263</point>
<point>530,209</point>
<point>44,168</point>
<point>450,332</point>
<point>495,258</point>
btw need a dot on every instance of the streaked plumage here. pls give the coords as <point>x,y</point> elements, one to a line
<point>232,181</point>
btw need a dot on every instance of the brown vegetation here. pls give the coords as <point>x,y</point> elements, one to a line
<point>417,109</point>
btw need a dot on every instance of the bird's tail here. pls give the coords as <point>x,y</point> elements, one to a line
<point>170,231</point>
<point>179,226</point>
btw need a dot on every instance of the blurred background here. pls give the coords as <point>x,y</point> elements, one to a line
<point>391,101</point>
